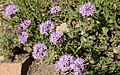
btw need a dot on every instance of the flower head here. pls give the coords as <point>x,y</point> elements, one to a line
<point>25,24</point>
<point>11,10</point>
<point>46,27</point>
<point>87,9</point>
<point>56,37</point>
<point>55,10</point>
<point>23,37</point>
<point>78,73</point>
<point>39,51</point>
<point>64,63</point>
<point>50,26</point>
<point>78,66</point>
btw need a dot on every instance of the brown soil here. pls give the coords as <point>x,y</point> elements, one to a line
<point>42,68</point>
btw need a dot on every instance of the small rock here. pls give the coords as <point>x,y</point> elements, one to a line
<point>90,27</point>
<point>79,24</point>
<point>63,27</point>
<point>82,32</point>
<point>28,49</point>
<point>10,69</point>
<point>15,68</point>
<point>117,50</point>
<point>2,58</point>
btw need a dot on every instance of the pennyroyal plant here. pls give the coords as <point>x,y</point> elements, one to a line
<point>55,9</point>
<point>39,51</point>
<point>23,37</point>
<point>56,37</point>
<point>87,9</point>
<point>78,66</point>
<point>92,37</point>
<point>46,27</point>
<point>11,10</point>
<point>64,63</point>
<point>25,24</point>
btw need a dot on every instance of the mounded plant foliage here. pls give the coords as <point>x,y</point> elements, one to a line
<point>86,31</point>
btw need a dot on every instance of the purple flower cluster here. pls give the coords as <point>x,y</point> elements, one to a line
<point>11,10</point>
<point>39,51</point>
<point>55,10</point>
<point>56,37</point>
<point>64,63</point>
<point>23,37</point>
<point>87,9</point>
<point>78,66</point>
<point>25,24</point>
<point>67,62</point>
<point>46,27</point>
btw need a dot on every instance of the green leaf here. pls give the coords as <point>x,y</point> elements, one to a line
<point>106,13</point>
<point>105,30</point>
<point>70,35</point>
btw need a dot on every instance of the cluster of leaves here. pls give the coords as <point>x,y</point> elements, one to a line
<point>8,38</point>
<point>7,41</point>
<point>93,38</point>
